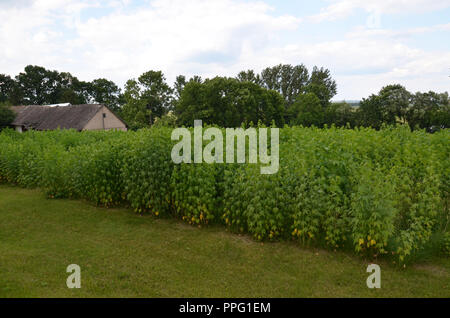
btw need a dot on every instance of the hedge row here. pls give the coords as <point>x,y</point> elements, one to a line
<point>378,192</point>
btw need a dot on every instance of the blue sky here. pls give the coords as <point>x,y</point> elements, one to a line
<point>365,44</point>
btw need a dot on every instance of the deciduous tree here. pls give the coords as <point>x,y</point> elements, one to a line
<point>290,81</point>
<point>322,85</point>
<point>146,98</point>
<point>227,102</point>
<point>307,111</point>
<point>7,115</point>
<point>106,92</point>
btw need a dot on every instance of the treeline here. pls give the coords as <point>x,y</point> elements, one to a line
<point>283,94</point>
<point>39,86</point>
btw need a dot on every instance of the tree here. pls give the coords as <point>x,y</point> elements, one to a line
<point>227,102</point>
<point>429,109</point>
<point>340,114</point>
<point>371,112</point>
<point>7,115</point>
<point>294,81</point>
<point>38,85</point>
<point>147,98</point>
<point>273,109</point>
<point>7,88</point>
<point>135,111</point>
<point>180,83</point>
<point>441,118</point>
<point>290,81</point>
<point>178,86</point>
<point>190,103</point>
<point>322,85</point>
<point>396,101</point>
<point>250,76</point>
<point>307,111</point>
<point>105,92</point>
<point>389,106</point>
<point>156,93</point>
<point>69,89</point>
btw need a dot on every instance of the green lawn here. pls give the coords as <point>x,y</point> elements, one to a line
<point>122,254</point>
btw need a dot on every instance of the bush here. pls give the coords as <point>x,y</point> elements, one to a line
<point>376,192</point>
<point>147,171</point>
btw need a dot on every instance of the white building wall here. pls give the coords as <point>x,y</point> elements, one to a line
<point>109,122</point>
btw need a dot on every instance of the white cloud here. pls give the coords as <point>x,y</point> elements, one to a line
<point>31,32</point>
<point>170,35</point>
<point>209,38</point>
<point>361,32</point>
<point>364,62</point>
<point>343,8</point>
<point>176,36</point>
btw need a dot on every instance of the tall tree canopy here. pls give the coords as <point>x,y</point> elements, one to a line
<point>6,115</point>
<point>290,81</point>
<point>178,86</point>
<point>394,104</point>
<point>250,76</point>
<point>69,89</point>
<point>396,100</point>
<point>428,110</point>
<point>341,114</point>
<point>228,102</point>
<point>39,86</point>
<point>371,112</point>
<point>282,93</point>
<point>307,111</point>
<point>105,92</point>
<point>146,98</point>
<point>8,90</point>
<point>389,106</point>
<point>322,85</point>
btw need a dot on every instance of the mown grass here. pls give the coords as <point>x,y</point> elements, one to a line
<point>122,254</point>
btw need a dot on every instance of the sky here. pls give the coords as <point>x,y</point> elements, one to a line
<point>365,44</point>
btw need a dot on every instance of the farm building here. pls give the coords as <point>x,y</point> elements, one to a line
<point>66,116</point>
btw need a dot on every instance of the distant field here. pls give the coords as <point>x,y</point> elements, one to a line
<point>124,254</point>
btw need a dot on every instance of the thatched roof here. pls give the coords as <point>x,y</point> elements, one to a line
<point>54,117</point>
